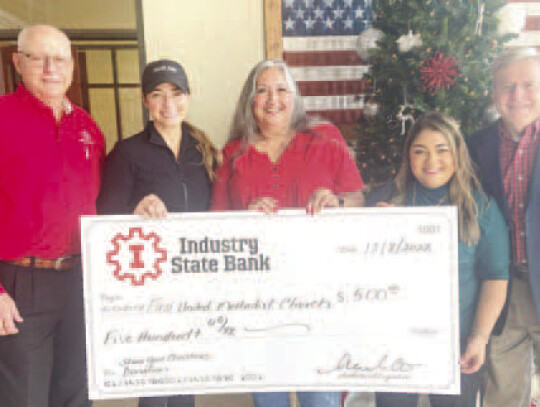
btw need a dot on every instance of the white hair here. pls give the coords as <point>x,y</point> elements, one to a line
<point>27,32</point>
<point>511,55</point>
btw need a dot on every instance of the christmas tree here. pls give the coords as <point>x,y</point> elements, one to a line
<point>430,55</point>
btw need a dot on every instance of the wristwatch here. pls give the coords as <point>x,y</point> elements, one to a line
<point>341,202</point>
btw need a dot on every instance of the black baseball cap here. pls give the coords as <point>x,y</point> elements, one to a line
<point>164,71</point>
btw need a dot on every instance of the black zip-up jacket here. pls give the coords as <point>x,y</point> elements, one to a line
<point>143,164</point>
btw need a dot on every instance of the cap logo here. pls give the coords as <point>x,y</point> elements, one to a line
<point>165,68</point>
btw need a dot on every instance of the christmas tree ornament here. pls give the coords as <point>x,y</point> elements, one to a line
<point>391,122</point>
<point>371,108</point>
<point>405,113</point>
<point>367,41</point>
<point>407,42</point>
<point>439,71</point>
<point>448,72</point>
<point>480,21</point>
<point>511,18</point>
<point>404,116</point>
<point>491,113</point>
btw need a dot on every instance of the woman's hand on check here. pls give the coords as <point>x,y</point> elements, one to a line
<point>384,205</point>
<point>321,198</point>
<point>151,207</point>
<point>264,204</point>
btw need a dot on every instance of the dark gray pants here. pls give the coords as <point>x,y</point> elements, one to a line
<point>44,364</point>
<point>470,384</point>
<point>172,401</point>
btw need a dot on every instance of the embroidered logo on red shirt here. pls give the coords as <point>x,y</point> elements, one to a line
<point>87,141</point>
<point>86,138</point>
<point>136,256</point>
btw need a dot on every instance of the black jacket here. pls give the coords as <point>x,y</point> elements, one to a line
<point>484,149</point>
<point>143,164</point>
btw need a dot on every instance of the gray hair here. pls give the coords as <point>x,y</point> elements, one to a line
<point>511,55</point>
<point>27,33</point>
<point>244,125</point>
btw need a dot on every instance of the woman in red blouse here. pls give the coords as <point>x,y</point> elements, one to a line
<point>278,157</point>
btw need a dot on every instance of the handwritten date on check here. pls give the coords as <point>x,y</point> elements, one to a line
<point>356,299</point>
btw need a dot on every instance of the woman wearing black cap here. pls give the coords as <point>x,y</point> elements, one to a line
<point>168,167</point>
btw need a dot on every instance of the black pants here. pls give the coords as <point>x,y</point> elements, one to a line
<point>173,401</point>
<point>44,364</point>
<point>470,384</point>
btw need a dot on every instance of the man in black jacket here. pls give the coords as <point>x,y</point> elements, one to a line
<point>508,160</point>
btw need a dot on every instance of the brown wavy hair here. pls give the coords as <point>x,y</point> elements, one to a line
<point>463,183</point>
<point>210,154</point>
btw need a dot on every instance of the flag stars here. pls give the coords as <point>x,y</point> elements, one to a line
<point>338,13</point>
<point>325,17</point>
<point>348,23</point>
<point>310,23</point>
<point>289,24</point>
<point>329,23</point>
<point>319,13</point>
<point>329,3</point>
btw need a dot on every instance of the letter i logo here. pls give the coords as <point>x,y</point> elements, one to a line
<point>136,256</point>
<point>136,250</point>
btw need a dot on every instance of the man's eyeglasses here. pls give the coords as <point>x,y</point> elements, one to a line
<point>39,61</point>
<point>532,87</point>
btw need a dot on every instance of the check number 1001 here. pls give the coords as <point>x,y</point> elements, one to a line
<point>429,229</point>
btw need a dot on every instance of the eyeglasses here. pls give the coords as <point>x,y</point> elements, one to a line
<point>39,61</point>
<point>532,87</point>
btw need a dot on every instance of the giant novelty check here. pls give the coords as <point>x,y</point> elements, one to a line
<point>361,299</point>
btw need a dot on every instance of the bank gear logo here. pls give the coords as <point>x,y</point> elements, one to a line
<point>136,256</point>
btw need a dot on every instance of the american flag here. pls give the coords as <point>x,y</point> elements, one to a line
<point>530,35</point>
<point>319,44</point>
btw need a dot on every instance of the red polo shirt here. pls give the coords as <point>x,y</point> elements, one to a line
<point>49,175</point>
<point>316,159</point>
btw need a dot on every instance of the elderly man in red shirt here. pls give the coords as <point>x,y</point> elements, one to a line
<point>51,153</point>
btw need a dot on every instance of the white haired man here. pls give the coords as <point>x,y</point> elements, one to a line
<point>508,160</point>
<point>51,153</point>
